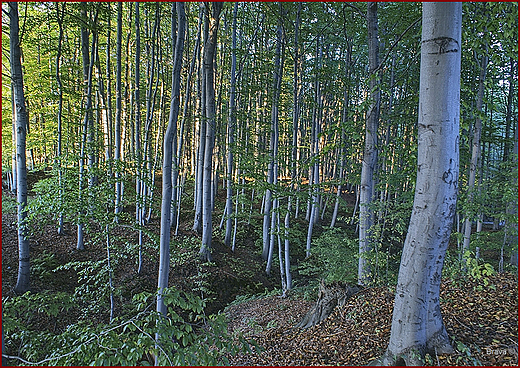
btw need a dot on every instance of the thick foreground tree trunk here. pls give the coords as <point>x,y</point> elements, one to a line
<point>417,326</point>
<point>329,296</point>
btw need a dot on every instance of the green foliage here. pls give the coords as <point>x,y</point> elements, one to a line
<point>467,265</point>
<point>188,337</point>
<point>8,204</point>
<point>250,297</point>
<point>477,269</point>
<point>93,287</point>
<point>334,258</point>
<point>465,357</point>
<point>43,266</point>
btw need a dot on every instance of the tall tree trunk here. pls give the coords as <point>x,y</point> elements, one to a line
<point>87,141</point>
<point>475,151</point>
<point>417,326</point>
<point>366,213</point>
<point>209,76</point>
<point>14,180</point>
<point>139,206</point>
<point>199,173</point>
<point>15,54</point>
<point>231,131</point>
<point>117,128</point>
<point>148,177</point>
<point>509,109</point>
<point>270,214</point>
<point>60,16</point>
<point>314,178</point>
<point>110,131</point>
<point>167,189</point>
<point>195,57</point>
<point>294,150</point>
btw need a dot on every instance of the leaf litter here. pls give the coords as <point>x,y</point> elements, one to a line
<point>481,321</point>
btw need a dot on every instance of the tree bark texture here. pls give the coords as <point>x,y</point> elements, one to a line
<point>417,326</point>
<point>231,131</point>
<point>366,213</point>
<point>86,144</point>
<point>60,17</point>
<point>209,76</point>
<point>167,189</point>
<point>117,128</point>
<point>270,217</point>
<point>22,282</point>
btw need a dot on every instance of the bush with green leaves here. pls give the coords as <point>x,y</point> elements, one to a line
<point>456,268</point>
<point>334,257</point>
<point>185,336</point>
<point>9,204</point>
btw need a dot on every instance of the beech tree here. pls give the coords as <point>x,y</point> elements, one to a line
<point>20,112</point>
<point>366,213</point>
<point>167,188</point>
<point>417,326</point>
<point>213,17</point>
<point>60,14</point>
<point>117,128</point>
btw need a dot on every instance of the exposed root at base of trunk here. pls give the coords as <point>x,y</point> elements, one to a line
<point>329,297</point>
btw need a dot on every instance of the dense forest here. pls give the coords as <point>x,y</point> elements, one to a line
<point>172,173</point>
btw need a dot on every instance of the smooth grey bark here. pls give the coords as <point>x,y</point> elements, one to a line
<point>148,182</point>
<point>14,179</point>
<point>294,154</point>
<point>91,146</point>
<point>109,122</point>
<point>199,173</point>
<point>86,144</point>
<point>213,15</point>
<point>272,169</point>
<point>417,326</point>
<point>270,217</point>
<point>15,54</point>
<point>343,143</point>
<point>196,56</point>
<point>110,274</point>
<point>366,213</point>
<point>231,131</point>
<point>139,200</point>
<point>286,255</point>
<point>475,148</point>
<point>167,188</point>
<point>509,109</point>
<point>59,17</point>
<point>315,169</point>
<point>80,245</point>
<point>117,127</point>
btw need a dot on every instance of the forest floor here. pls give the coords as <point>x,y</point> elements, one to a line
<point>481,319</point>
<point>482,322</point>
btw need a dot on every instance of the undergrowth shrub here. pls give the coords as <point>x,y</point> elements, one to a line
<point>187,335</point>
<point>334,257</point>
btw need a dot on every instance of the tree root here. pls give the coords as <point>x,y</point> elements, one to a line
<point>329,296</point>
